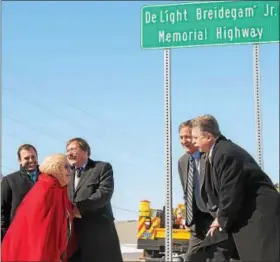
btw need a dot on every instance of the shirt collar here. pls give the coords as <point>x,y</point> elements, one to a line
<point>34,173</point>
<point>83,166</point>
<point>196,155</point>
<point>25,172</point>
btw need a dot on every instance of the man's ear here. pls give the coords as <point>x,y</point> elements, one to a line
<point>209,137</point>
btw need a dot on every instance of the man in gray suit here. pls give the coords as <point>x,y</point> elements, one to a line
<point>91,189</point>
<point>198,217</point>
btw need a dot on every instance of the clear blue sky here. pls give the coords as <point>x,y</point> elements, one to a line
<point>77,69</point>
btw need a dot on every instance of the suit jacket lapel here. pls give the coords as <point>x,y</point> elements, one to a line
<point>206,184</point>
<point>209,190</point>
<point>83,178</point>
<point>185,176</point>
<point>202,171</point>
<point>85,174</point>
<point>27,179</point>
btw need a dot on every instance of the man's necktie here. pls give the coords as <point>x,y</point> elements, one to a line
<point>33,177</point>
<point>190,188</point>
<point>78,173</point>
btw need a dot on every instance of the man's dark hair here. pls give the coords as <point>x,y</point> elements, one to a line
<point>83,144</point>
<point>187,123</point>
<point>26,147</point>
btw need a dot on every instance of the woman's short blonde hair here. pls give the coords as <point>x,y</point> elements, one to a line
<point>53,164</point>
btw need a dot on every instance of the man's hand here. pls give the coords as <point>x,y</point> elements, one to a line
<point>214,226</point>
<point>76,212</point>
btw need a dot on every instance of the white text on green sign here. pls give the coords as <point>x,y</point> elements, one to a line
<point>209,23</point>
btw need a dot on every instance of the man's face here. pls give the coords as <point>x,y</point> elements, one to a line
<point>75,155</point>
<point>201,140</point>
<point>186,140</point>
<point>28,159</point>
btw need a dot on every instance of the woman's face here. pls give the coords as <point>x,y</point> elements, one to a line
<point>64,177</point>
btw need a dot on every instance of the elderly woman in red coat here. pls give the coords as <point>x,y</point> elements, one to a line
<point>42,227</point>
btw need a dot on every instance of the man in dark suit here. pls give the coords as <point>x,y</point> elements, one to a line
<point>15,186</point>
<point>246,202</point>
<point>91,189</point>
<point>198,218</point>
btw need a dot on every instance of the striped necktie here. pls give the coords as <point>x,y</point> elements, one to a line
<point>78,173</point>
<point>190,193</point>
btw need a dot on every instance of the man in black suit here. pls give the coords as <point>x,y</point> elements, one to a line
<point>246,202</point>
<point>91,189</point>
<point>15,186</point>
<point>198,218</point>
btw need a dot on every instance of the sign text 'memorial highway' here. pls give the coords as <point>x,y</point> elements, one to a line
<point>209,23</point>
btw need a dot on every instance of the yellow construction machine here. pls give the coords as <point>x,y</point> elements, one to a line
<point>151,231</point>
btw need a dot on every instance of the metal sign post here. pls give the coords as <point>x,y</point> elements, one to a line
<point>257,98</point>
<point>168,158</point>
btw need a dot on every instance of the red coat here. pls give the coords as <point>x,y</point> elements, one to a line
<point>39,231</point>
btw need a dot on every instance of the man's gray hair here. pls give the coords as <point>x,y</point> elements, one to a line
<point>207,123</point>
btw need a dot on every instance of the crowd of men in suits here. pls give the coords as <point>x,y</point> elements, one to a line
<point>232,206</point>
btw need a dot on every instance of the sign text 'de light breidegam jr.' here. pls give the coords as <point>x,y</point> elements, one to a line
<point>209,23</point>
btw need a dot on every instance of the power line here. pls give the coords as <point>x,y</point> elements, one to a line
<point>38,105</point>
<point>38,130</point>
<point>78,126</point>
<point>124,209</point>
<point>42,131</point>
<point>6,167</point>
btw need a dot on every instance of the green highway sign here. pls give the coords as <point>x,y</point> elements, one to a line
<point>209,23</point>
